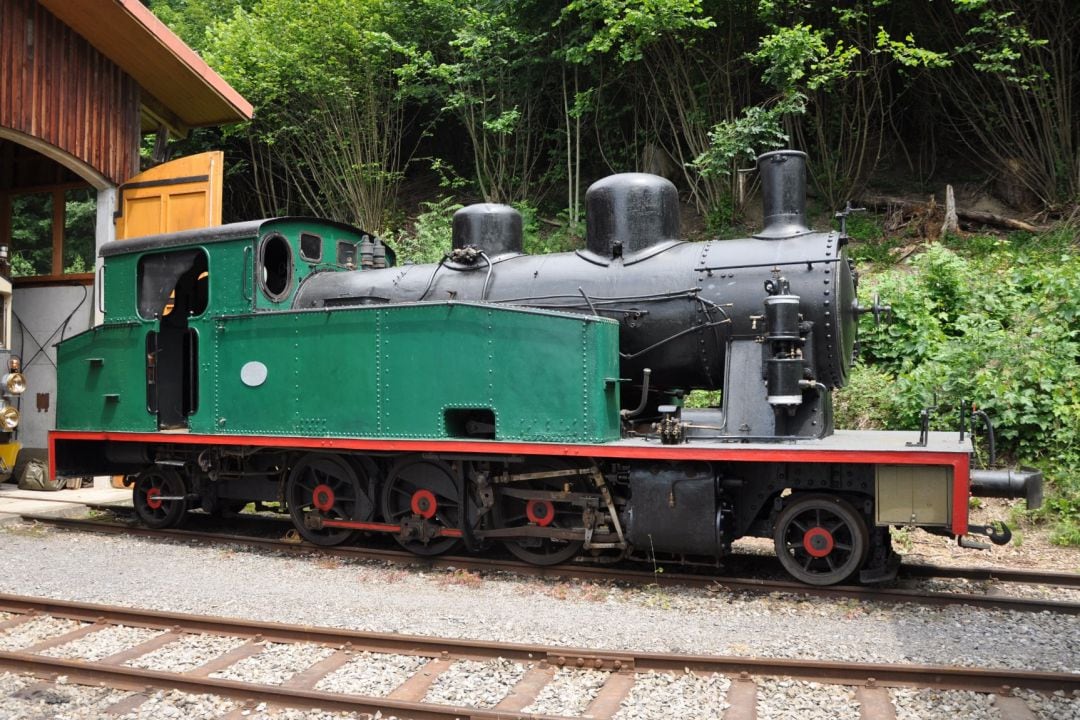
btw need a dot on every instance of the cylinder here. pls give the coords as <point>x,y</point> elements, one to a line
<point>783,194</point>
<point>493,229</point>
<point>630,212</point>
<point>782,317</point>
<point>782,381</point>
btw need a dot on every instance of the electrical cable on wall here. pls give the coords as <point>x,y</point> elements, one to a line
<point>60,330</point>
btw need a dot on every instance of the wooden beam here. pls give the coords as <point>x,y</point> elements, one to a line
<point>155,114</point>
<point>58,208</point>
<point>5,221</point>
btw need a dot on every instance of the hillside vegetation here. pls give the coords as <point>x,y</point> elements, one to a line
<point>389,114</point>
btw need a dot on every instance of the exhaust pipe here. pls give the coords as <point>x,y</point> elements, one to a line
<point>1025,482</point>
<point>783,194</point>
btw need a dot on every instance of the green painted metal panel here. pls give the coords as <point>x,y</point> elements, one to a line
<point>101,374</point>
<point>395,371</point>
<point>121,289</point>
<point>319,375</point>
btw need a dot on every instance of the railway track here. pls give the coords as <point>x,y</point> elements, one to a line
<point>623,575</point>
<point>335,652</point>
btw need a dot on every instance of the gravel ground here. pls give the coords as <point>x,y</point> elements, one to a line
<point>1058,706</point>
<point>568,693</point>
<point>372,674</point>
<point>660,696</point>
<point>471,683</point>
<point>186,653</point>
<point>26,698</point>
<point>243,583</point>
<point>783,699</point>
<point>176,704</point>
<point>370,596</point>
<point>262,713</point>
<point>276,664</point>
<point>920,704</point>
<point>34,631</point>
<point>102,643</point>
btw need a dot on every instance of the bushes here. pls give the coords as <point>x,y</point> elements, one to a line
<point>998,325</point>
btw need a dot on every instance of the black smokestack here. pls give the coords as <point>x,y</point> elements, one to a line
<point>783,191</point>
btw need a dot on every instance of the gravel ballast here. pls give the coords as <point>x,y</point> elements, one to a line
<point>186,653</point>
<point>102,643</point>
<point>372,674</point>
<point>658,696</point>
<point>243,583</point>
<point>275,664</point>
<point>783,699</point>
<point>26,698</point>
<point>919,704</point>
<point>472,683</point>
<point>34,631</point>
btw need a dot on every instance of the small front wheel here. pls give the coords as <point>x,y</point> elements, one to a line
<point>159,498</point>
<point>821,540</point>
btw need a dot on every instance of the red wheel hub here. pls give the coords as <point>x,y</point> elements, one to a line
<point>424,504</point>
<point>818,542</point>
<point>322,497</point>
<point>541,512</point>
<point>152,500</point>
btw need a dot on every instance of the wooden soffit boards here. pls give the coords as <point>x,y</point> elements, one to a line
<point>62,98</point>
<point>131,36</point>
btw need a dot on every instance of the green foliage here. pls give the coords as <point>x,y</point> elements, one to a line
<point>1001,329</point>
<point>31,234</point>
<point>869,242</point>
<point>331,84</point>
<point>626,27</point>
<point>429,239</point>
<point>868,401</point>
<point>490,82</point>
<point>799,58</point>
<point>192,20</point>
<point>704,399</point>
<point>998,40</point>
<point>757,130</point>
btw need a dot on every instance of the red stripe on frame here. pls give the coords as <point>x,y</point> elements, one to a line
<point>959,461</point>
<point>625,452</point>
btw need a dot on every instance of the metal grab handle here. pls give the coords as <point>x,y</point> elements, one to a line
<point>99,291</point>
<point>193,370</point>
<point>245,274</point>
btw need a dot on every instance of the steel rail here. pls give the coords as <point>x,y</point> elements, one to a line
<point>591,572</point>
<point>125,677</point>
<point>849,673</point>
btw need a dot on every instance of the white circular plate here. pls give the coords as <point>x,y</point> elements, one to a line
<point>253,374</point>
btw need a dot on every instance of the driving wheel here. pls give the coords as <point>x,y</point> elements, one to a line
<point>330,487</point>
<point>821,540</point>
<point>535,513</point>
<point>424,498</point>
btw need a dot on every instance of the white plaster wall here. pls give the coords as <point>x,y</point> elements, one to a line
<point>43,316</point>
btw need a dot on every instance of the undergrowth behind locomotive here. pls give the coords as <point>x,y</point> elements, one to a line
<point>771,320</point>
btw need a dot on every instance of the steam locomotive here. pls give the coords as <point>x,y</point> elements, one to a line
<point>502,399</point>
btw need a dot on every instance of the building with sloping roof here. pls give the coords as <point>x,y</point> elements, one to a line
<point>81,83</point>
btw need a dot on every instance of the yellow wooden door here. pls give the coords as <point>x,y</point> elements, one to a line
<point>178,195</point>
